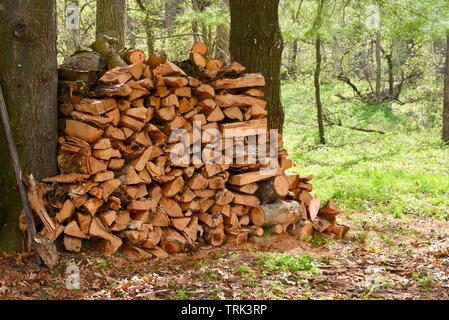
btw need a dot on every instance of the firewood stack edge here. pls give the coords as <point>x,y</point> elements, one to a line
<point>118,185</point>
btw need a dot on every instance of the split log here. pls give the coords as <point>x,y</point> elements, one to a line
<point>214,236</point>
<point>133,56</point>
<point>173,242</point>
<point>247,81</point>
<point>273,189</point>
<point>281,212</point>
<point>72,244</point>
<point>156,59</point>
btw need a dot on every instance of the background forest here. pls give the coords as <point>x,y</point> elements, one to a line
<point>381,83</point>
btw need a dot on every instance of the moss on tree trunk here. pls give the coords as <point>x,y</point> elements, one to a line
<point>28,76</point>
<point>256,42</point>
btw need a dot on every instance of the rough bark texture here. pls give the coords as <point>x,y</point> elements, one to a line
<point>28,76</point>
<point>111,20</point>
<point>256,42</point>
<point>446,95</point>
<point>319,106</point>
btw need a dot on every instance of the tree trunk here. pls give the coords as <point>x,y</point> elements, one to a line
<point>148,27</point>
<point>206,32</point>
<point>172,9</point>
<point>378,69</point>
<point>222,43</point>
<point>256,42</point>
<point>446,95</point>
<point>111,20</point>
<point>293,57</point>
<point>319,107</point>
<point>28,76</point>
<point>389,58</point>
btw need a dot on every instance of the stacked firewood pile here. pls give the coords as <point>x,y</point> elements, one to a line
<point>121,186</point>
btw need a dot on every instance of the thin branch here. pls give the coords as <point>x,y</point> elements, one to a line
<point>179,35</point>
<point>334,123</point>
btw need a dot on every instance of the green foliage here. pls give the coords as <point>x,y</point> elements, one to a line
<point>319,240</point>
<point>272,261</point>
<point>405,171</point>
<point>244,269</point>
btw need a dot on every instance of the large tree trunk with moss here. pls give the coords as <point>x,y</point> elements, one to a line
<point>256,42</point>
<point>28,76</point>
<point>111,20</point>
<point>446,95</point>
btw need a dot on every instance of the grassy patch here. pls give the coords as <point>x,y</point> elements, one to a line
<point>244,269</point>
<point>272,261</point>
<point>405,171</point>
<point>424,279</point>
<point>181,294</point>
<point>318,240</point>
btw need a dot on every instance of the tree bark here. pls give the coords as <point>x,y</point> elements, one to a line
<point>319,106</point>
<point>378,69</point>
<point>28,76</point>
<point>293,58</point>
<point>446,96</point>
<point>111,20</point>
<point>389,58</point>
<point>256,42</point>
<point>172,9</point>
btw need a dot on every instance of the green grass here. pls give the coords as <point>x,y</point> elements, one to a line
<point>404,171</point>
<point>273,261</point>
<point>244,269</point>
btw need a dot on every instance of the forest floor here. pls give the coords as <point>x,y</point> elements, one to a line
<point>392,187</point>
<point>383,257</point>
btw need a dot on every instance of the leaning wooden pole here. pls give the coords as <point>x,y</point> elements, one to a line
<point>17,171</point>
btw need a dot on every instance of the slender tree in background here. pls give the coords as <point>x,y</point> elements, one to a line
<point>221,46</point>
<point>148,25</point>
<point>318,58</point>
<point>319,106</point>
<point>28,76</point>
<point>378,68</point>
<point>111,20</point>
<point>256,42</point>
<point>446,95</point>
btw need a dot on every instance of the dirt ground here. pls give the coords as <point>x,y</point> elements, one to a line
<point>381,258</point>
